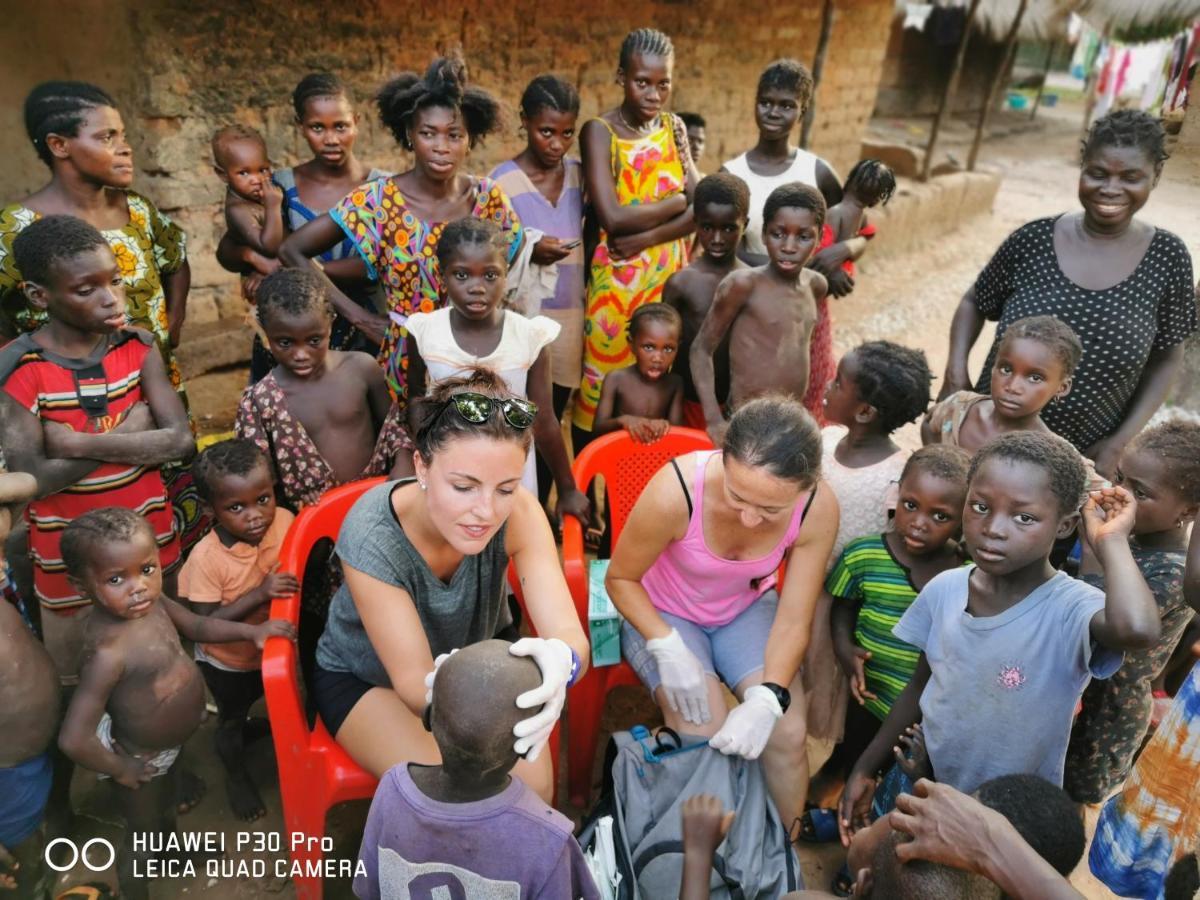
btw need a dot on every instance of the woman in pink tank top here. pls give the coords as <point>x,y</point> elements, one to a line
<point>694,575</point>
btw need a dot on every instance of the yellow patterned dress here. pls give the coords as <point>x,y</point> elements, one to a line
<point>147,248</point>
<point>645,169</point>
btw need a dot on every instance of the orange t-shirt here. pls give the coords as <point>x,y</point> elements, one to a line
<point>215,573</point>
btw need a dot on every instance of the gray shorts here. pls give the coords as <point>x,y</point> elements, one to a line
<point>732,651</point>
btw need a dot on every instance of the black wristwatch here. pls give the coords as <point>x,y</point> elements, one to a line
<point>782,694</point>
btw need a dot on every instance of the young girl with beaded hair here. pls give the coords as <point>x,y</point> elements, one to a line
<point>639,178</point>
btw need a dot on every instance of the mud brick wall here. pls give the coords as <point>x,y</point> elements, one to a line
<point>179,70</point>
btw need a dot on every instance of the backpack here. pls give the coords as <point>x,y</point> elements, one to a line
<point>648,778</point>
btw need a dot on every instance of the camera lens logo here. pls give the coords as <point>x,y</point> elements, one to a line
<point>90,852</point>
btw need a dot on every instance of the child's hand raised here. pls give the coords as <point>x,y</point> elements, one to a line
<point>1109,515</point>
<point>705,824</point>
<point>852,660</point>
<point>273,628</point>
<point>272,196</point>
<point>911,755</point>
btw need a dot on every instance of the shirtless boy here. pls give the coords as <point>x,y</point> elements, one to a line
<point>768,311</point>
<point>253,203</point>
<point>722,206</point>
<point>140,696</point>
<point>646,398</point>
<point>28,715</point>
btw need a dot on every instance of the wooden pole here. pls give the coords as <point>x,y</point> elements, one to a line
<point>1037,101</point>
<point>817,70</point>
<point>1089,85</point>
<point>950,90</point>
<point>1010,48</point>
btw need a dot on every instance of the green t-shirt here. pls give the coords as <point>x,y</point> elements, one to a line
<point>868,574</point>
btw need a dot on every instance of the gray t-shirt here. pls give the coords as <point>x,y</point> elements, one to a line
<point>472,607</point>
<point>1003,688</point>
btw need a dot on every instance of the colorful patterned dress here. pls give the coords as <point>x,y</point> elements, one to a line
<point>302,473</point>
<point>645,169</point>
<point>296,216</point>
<point>1155,818</point>
<point>90,395</point>
<point>400,251</point>
<point>1110,728</point>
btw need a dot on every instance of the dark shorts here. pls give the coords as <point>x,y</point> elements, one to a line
<point>235,692</point>
<point>335,694</point>
<point>24,790</point>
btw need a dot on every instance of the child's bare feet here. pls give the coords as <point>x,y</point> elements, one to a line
<point>244,799</point>
<point>243,795</point>
<point>191,791</point>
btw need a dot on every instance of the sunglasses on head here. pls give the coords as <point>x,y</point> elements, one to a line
<point>478,408</point>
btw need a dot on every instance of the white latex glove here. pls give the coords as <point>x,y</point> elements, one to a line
<point>749,724</point>
<point>553,657</point>
<point>683,678</point>
<point>437,664</point>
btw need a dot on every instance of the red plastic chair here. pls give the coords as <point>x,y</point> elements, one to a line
<point>315,773</point>
<point>626,467</point>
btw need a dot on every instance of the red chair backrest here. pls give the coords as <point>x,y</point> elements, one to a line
<point>312,524</point>
<point>627,466</point>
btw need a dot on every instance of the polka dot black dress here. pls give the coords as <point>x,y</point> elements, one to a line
<point>1152,310</point>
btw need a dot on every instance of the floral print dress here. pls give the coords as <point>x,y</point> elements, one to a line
<point>400,250</point>
<point>301,471</point>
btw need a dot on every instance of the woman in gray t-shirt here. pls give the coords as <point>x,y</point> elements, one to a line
<point>425,561</point>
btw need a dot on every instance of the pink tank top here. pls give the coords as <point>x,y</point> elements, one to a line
<point>690,581</point>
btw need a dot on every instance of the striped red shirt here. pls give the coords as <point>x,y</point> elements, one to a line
<point>90,395</point>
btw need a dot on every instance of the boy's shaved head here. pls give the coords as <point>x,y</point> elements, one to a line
<point>475,705</point>
<point>921,880</point>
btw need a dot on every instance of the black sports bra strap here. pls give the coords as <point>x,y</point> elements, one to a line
<point>808,505</point>
<point>683,484</point>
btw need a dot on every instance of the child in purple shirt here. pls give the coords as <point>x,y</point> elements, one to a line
<point>467,826</point>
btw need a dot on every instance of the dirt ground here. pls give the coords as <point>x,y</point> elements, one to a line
<point>908,299</point>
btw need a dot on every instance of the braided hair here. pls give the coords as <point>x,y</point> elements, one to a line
<point>472,231</point>
<point>443,84</point>
<point>549,92</point>
<point>1127,128</point>
<point>893,379</point>
<point>1176,444</point>
<point>317,84</point>
<point>292,292</point>
<point>871,178</point>
<point>647,42</point>
<point>60,107</point>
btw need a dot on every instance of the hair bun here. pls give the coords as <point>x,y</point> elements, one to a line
<point>447,75</point>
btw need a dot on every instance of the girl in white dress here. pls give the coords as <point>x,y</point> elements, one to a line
<point>474,331</point>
